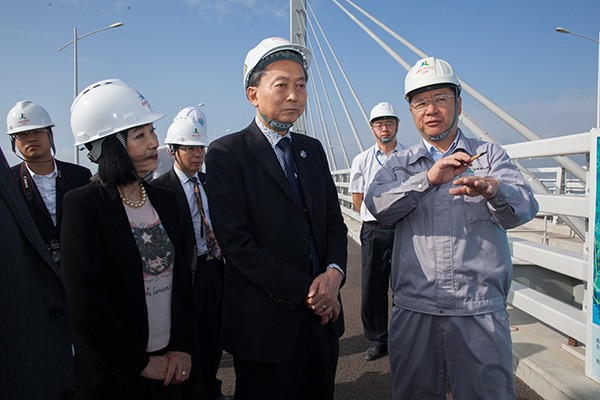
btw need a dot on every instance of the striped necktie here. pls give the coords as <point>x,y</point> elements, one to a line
<point>211,241</point>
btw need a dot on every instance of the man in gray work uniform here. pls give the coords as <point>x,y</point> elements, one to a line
<point>451,264</point>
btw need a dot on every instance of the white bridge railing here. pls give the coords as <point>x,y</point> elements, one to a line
<point>550,280</point>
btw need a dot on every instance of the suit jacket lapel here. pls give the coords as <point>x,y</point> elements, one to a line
<point>262,151</point>
<point>60,191</point>
<point>36,202</point>
<point>16,205</point>
<point>175,186</point>
<point>304,165</point>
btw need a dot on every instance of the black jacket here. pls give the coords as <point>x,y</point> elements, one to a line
<point>103,275</point>
<point>70,176</point>
<point>264,234</point>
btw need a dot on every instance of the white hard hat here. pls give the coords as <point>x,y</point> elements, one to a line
<point>107,107</point>
<point>186,131</point>
<point>382,110</point>
<point>26,116</point>
<point>194,113</point>
<point>271,46</point>
<point>429,72</point>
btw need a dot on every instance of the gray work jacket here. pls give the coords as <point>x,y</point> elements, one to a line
<point>451,254</point>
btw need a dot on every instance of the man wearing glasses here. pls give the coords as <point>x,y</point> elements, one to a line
<point>455,197</point>
<point>187,140</point>
<point>376,238</point>
<point>42,180</point>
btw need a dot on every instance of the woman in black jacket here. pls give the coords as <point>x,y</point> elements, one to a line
<point>125,262</point>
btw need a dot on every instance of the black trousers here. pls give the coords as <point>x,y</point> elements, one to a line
<point>376,250</point>
<point>208,286</point>
<point>308,374</point>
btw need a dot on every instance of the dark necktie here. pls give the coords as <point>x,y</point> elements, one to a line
<point>211,241</point>
<point>285,144</point>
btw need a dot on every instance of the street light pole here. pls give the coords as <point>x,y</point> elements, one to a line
<point>75,75</point>
<point>563,30</point>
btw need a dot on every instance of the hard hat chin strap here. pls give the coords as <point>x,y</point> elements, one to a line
<point>386,140</point>
<point>173,151</point>
<point>276,125</point>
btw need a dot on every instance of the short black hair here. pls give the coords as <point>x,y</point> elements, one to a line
<point>114,165</point>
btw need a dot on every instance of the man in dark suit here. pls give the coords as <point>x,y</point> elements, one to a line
<point>37,361</point>
<point>42,180</point>
<point>187,140</point>
<point>275,211</point>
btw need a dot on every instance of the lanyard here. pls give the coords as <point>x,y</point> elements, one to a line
<point>375,154</point>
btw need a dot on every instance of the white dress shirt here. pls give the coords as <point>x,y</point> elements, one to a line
<point>46,185</point>
<point>364,167</point>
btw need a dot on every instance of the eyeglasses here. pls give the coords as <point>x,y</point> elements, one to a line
<point>191,149</point>
<point>388,124</point>
<point>33,132</point>
<point>438,101</point>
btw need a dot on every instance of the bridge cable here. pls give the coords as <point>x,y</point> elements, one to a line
<point>330,108</point>
<point>322,121</point>
<point>356,136</point>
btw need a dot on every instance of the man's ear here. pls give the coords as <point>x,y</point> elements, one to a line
<point>252,94</point>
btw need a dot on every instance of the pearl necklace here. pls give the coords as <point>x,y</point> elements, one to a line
<point>133,203</point>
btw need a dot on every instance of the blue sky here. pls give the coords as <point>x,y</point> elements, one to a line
<point>183,52</point>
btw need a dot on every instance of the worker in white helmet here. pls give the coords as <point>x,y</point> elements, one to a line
<point>376,238</point>
<point>276,214</point>
<point>187,140</point>
<point>165,160</point>
<point>42,179</point>
<point>127,263</point>
<point>452,199</point>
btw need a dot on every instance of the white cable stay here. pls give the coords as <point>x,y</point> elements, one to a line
<point>337,129</point>
<point>323,123</point>
<point>354,131</point>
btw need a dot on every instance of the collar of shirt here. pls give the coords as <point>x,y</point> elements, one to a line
<point>438,155</point>
<point>272,136</point>
<point>380,155</point>
<point>183,178</point>
<point>51,175</point>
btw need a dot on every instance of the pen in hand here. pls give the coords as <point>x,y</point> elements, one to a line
<point>478,155</point>
<point>475,157</point>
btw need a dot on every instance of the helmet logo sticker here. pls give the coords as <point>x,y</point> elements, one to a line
<point>201,122</point>
<point>143,99</point>
<point>23,119</point>
<point>196,134</point>
<point>424,68</point>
